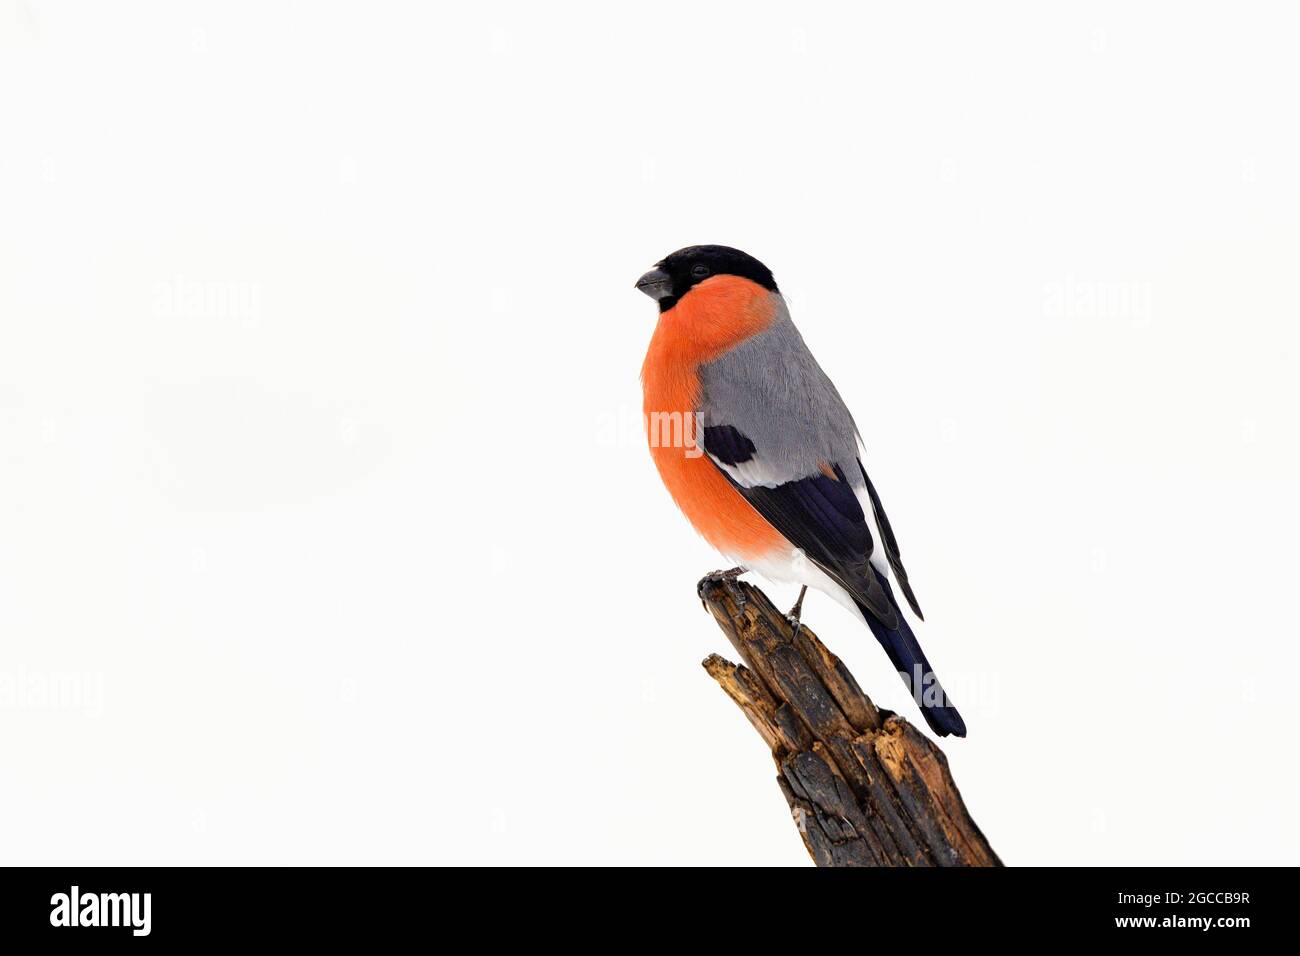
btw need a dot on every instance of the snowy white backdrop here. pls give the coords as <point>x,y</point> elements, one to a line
<point>318,345</point>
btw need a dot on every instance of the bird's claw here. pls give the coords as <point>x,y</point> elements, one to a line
<point>728,580</point>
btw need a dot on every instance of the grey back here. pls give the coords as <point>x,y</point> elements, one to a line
<point>773,391</point>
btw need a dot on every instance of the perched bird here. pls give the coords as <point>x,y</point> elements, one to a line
<point>758,450</point>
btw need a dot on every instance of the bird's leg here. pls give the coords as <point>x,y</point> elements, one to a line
<point>795,612</point>
<point>728,579</point>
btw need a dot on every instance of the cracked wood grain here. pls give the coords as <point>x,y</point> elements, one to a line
<point>864,787</point>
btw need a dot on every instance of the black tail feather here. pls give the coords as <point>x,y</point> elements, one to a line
<point>909,660</point>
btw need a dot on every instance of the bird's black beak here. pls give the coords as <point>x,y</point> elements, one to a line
<point>656,283</point>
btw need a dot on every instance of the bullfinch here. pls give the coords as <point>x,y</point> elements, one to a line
<point>760,453</point>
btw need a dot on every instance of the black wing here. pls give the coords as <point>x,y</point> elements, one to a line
<point>890,543</point>
<point>818,514</point>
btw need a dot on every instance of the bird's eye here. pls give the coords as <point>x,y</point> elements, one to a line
<point>700,271</point>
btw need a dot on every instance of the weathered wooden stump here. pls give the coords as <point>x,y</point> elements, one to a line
<point>865,788</point>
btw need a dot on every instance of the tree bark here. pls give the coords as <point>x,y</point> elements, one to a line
<point>865,788</point>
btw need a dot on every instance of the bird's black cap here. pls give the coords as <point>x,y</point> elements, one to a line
<point>677,273</point>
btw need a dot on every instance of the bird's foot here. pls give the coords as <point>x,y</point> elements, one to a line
<point>796,612</point>
<point>729,575</point>
<point>728,581</point>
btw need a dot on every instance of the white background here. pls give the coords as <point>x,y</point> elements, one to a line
<point>327,533</point>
